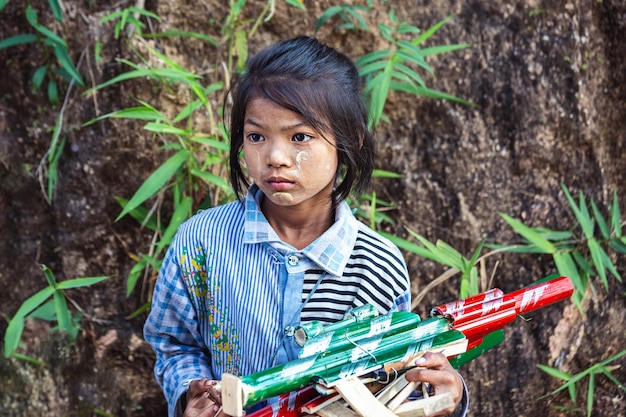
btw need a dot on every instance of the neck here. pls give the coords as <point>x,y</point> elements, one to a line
<point>296,226</point>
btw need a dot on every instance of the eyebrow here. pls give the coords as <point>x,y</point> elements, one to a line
<point>288,127</point>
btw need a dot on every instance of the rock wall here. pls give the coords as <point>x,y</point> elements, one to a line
<point>547,82</point>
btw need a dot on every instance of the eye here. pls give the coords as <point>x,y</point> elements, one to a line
<point>255,137</point>
<point>301,137</point>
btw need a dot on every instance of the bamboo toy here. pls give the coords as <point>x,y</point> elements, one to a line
<point>383,347</point>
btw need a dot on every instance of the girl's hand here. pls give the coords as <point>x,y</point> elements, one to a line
<point>434,368</point>
<point>204,399</point>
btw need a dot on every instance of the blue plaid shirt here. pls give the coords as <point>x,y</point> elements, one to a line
<point>228,289</point>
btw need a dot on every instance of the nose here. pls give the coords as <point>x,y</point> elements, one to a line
<point>278,153</point>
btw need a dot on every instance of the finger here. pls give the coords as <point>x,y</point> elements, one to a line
<point>433,361</point>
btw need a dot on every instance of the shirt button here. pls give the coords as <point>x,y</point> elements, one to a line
<point>293,260</point>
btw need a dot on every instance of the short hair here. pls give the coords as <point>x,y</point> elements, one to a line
<point>319,83</point>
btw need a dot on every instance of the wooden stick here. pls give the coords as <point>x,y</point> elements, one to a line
<point>361,399</point>
<point>232,395</point>
<point>425,406</point>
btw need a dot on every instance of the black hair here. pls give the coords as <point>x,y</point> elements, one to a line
<point>319,83</point>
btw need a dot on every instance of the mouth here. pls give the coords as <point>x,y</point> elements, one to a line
<point>280,183</point>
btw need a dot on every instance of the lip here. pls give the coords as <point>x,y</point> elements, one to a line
<point>280,183</point>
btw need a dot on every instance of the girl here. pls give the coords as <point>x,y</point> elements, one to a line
<point>238,278</point>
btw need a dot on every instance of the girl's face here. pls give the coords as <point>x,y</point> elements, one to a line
<point>290,161</point>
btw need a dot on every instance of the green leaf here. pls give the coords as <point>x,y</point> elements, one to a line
<point>452,257</point>
<point>182,213</point>
<point>51,38</point>
<point>18,40</point>
<point>427,92</point>
<point>38,77</point>
<point>29,359</point>
<point>566,266</point>
<point>241,46</point>
<point>616,222</point>
<point>554,235</point>
<point>141,215</point>
<point>379,173</point>
<point>145,307</point>
<point>165,129</point>
<point>56,9</point>
<point>133,276</point>
<point>600,220</point>
<point>47,272</point>
<point>81,282</point>
<point>371,57</point>
<point>410,246</point>
<point>618,245</point>
<point>530,234</point>
<point>430,32</point>
<point>590,392</point>
<point>66,62</point>
<point>297,3</point>
<point>12,335</point>
<point>555,372</point>
<point>596,256</point>
<point>211,178</point>
<point>157,180</point>
<point>53,92</point>
<point>581,213</point>
<point>211,142</point>
<point>183,34</point>
<point>442,49</point>
<point>136,113</point>
<point>44,312</point>
<point>64,318</point>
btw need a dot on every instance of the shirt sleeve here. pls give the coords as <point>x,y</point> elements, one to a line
<point>173,333</point>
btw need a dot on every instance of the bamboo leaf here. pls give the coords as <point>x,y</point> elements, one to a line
<point>211,142</point>
<point>530,234</point>
<point>297,3</point>
<point>60,51</point>
<point>442,49</point>
<point>57,11</point>
<point>64,317</point>
<point>581,213</point>
<point>18,40</point>
<point>141,215</point>
<point>165,129</point>
<point>182,213</point>
<point>133,276</point>
<point>211,178</point>
<point>616,225</point>
<point>379,173</point>
<point>38,77</point>
<point>135,113</point>
<point>451,255</point>
<point>600,220</point>
<point>183,34</point>
<point>12,335</point>
<point>81,282</point>
<point>410,246</point>
<point>430,31</point>
<point>594,249</point>
<point>618,245</point>
<point>44,312</point>
<point>590,392</point>
<point>565,376</point>
<point>427,92</point>
<point>372,57</point>
<point>47,272</point>
<point>154,183</point>
<point>566,266</point>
